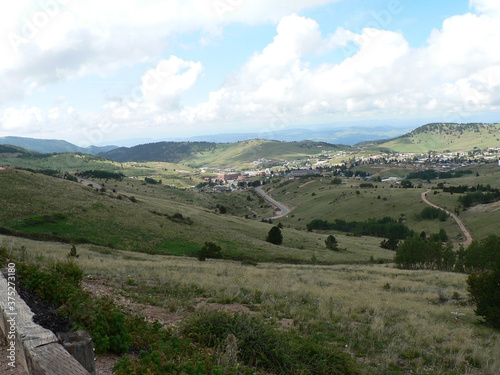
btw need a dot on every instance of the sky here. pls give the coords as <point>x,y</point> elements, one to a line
<point>101,72</point>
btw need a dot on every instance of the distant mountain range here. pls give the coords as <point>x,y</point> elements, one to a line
<point>335,135</point>
<point>47,146</point>
<point>430,137</point>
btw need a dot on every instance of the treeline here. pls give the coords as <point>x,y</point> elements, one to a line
<point>101,174</point>
<point>417,252</point>
<point>431,174</point>
<point>385,227</point>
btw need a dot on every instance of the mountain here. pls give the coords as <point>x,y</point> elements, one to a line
<point>221,154</point>
<point>47,146</point>
<point>443,137</point>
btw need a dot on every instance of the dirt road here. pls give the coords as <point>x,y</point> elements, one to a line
<point>468,237</point>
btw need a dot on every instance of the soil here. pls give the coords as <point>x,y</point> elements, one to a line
<point>45,313</point>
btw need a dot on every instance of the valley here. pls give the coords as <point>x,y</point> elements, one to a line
<point>139,233</point>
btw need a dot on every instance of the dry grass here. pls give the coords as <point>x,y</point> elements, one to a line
<point>392,320</point>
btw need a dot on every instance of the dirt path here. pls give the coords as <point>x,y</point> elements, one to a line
<point>468,237</point>
<point>281,208</point>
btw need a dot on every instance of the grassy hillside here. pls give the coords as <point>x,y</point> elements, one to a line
<point>446,137</point>
<point>236,155</point>
<point>390,321</point>
<point>317,198</point>
<point>141,218</point>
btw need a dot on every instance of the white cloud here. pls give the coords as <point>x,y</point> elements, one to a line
<point>164,84</point>
<point>51,40</point>
<point>455,73</point>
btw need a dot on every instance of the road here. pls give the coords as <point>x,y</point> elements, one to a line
<point>88,182</point>
<point>280,207</point>
<point>468,237</point>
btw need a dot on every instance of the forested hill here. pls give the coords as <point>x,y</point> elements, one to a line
<point>445,137</point>
<point>221,154</point>
<point>48,146</point>
<point>172,152</point>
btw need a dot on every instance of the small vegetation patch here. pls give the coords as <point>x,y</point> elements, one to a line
<point>263,346</point>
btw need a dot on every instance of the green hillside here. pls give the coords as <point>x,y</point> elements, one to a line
<point>206,154</point>
<point>443,137</point>
<point>154,219</point>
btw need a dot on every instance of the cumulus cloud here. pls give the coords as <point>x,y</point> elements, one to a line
<point>456,73</point>
<point>164,84</point>
<point>51,40</point>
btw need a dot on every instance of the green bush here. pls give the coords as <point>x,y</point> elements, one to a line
<point>484,288</point>
<point>264,347</point>
<point>99,316</point>
<point>210,250</point>
<point>274,236</point>
<point>331,243</point>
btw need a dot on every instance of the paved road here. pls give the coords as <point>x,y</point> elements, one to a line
<point>88,182</point>
<point>468,237</point>
<point>281,208</point>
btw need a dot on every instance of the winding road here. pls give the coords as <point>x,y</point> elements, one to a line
<point>279,206</point>
<point>468,237</point>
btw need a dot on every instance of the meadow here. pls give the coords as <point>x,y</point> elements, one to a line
<point>389,320</point>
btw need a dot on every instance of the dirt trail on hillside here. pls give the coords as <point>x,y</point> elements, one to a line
<point>468,237</point>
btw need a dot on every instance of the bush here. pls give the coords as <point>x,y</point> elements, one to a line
<point>331,243</point>
<point>99,316</point>
<point>484,288</point>
<point>274,236</point>
<point>262,346</point>
<point>210,250</point>
<point>336,181</point>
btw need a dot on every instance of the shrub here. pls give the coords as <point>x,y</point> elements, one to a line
<point>210,250</point>
<point>73,253</point>
<point>484,288</point>
<point>336,181</point>
<point>99,316</point>
<point>331,243</point>
<point>274,236</point>
<point>262,346</point>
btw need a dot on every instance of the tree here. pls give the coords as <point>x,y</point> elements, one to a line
<point>484,288</point>
<point>331,243</point>
<point>222,209</point>
<point>209,250</point>
<point>390,244</point>
<point>274,236</point>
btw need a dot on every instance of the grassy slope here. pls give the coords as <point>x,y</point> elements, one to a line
<point>332,202</point>
<point>103,218</point>
<point>392,321</point>
<point>449,137</point>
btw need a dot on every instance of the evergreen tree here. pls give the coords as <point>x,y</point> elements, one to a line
<point>274,236</point>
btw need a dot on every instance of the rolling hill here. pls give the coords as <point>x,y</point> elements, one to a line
<point>221,154</point>
<point>46,146</point>
<point>443,137</point>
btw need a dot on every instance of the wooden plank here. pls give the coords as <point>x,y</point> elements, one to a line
<point>53,359</point>
<point>37,349</point>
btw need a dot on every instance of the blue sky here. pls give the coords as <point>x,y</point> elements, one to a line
<point>100,72</point>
